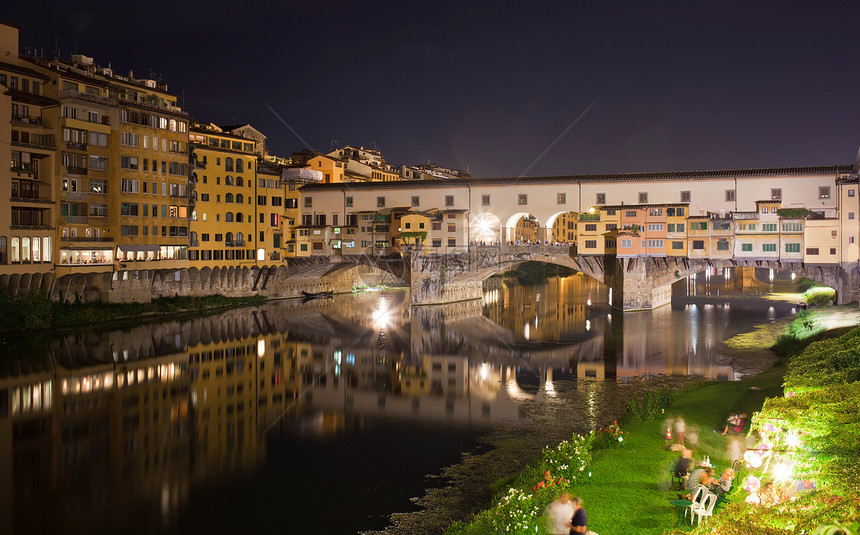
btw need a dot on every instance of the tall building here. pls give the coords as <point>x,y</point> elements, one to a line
<point>224,176</point>
<point>27,140</point>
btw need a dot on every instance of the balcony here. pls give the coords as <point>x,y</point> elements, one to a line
<point>73,170</point>
<point>98,239</point>
<point>22,168</point>
<point>28,120</point>
<point>76,195</point>
<point>70,93</point>
<point>76,146</point>
<point>234,244</point>
<point>76,219</point>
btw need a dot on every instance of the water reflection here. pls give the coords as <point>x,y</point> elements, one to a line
<point>112,425</point>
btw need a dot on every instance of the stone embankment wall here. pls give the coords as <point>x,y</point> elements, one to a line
<point>314,274</point>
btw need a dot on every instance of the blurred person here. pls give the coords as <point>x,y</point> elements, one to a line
<point>579,522</point>
<point>724,484</point>
<point>680,430</point>
<point>559,513</point>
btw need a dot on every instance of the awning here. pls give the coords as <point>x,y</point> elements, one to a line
<point>139,248</point>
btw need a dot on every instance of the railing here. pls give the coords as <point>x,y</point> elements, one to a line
<point>76,146</point>
<point>73,170</point>
<point>100,239</point>
<point>71,93</point>
<point>76,219</point>
<point>76,195</point>
<point>26,119</point>
<point>28,168</point>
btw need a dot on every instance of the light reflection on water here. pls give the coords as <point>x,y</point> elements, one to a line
<point>153,418</point>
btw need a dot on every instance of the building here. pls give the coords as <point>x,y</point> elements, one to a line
<point>28,121</point>
<point>223,219</point>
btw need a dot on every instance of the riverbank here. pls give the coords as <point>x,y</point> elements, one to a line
<point>629,489</point>
<point>32,312</point>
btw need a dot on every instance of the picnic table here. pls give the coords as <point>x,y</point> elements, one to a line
<point>682,506</point>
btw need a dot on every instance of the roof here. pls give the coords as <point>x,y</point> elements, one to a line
<point>642,206</point>
<point>606,177</point>
<point>22,70</point>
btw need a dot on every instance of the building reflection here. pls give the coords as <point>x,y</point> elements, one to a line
<point>106,424</point>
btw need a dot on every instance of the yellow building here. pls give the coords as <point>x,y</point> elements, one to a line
<point>222,221</point>
<point>415,229</point>
<point>848,190</point>
<point>270,213</point>
<point>564,228</point>
<point>332,170</point>
<point>27,140</point>
<point>676,230</point>
<point>590,232</point>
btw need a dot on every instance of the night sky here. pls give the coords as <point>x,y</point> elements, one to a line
<point>493,86</point>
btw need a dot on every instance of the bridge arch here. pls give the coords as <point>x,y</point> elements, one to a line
<point>486,228</point>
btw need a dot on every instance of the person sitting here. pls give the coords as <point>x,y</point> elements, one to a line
<point>724,484</point>
<point>699,476</point>
<point>684,463</point>
<point>769,495</point>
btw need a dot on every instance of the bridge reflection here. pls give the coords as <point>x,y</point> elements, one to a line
<point>153,410</point>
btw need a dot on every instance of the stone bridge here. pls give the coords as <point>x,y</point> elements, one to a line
<point>636,283</point>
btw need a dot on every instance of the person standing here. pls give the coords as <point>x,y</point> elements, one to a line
<point>559,513</point>
<point>680,429</point>
<point>579,522</point>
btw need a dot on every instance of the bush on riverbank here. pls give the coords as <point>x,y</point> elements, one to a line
<point>537,272</point>
<point>35,312</point>
<point>800,333</point>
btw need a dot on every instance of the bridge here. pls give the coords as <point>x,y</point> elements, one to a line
<point>635,283</point>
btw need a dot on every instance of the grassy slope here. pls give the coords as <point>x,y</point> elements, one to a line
<point>629,492</point>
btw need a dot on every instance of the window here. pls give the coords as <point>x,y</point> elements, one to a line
<point>792,227</point>
<point>655,227</point>
<point>746,247</point>
<point>698,225</point>
<point>698,244</point>
<point>730,195</point>
<point>850,192</point>
<point>643,197</point>
<point>591,244</point>
<point>833,250</point>
<point>610,226</point>
<point>349,201</point>
<point>601,198</point>
<point>449,200</point>
<point>685,196</point>
<point>671,227</point>
<point>380,202</point>
<point>768,227</point>
<point>452,242</point>
<point>768,247</point>
<point>452,227</point>
<point>792,247</point>
<point>485,200</point>
<point>812,251</point>
<point>655,244</point>
<point>560,198</point>
<point>128,162</point>
<point>309,202</point>
<point>823,192</point>
<point>776,194</point>
<point>261,200</point>
<point>626,244</point>
<point>630,213</point>
<point>676,245</point>
<point>522,199</point>
<point>416,200</point>
<point>723,245</point>
<point>850,215</point>
<point>591,227</point>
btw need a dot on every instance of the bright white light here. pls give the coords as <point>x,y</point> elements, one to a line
<point>793,441</point>
<point>587,325</point>
<point>382,315</point>
<point>526,331</point>
<point>793,276</point>
<point>261,254</point>
<point>771,275</point>
<point>588,301</point>
<point>782,471</point>
<point>753,458</point>
<point>485,371</point>
<point>261,348</point>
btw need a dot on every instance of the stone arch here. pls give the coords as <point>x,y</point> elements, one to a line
<point>509,231</point>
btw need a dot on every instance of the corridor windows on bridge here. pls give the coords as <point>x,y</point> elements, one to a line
<point>768,247</point>
<point>348,202</point>
<point>685,197</point>
<point>746,247</point>
<point>449,200</point>
<point>775,194</point>
<point>656,212</point>
<point>677,245</point>
<point>698,245</point>
<point>850,215</point>
<point>309,202</point>
<point>792,247</point>
<point>485,200</point>
<point>561,198</point>
<point>643,197</point>
<point>730,195</point>
<point>723,245</point>
<point>823,192</point>
<point>850,192</point>
<point>522,199</point>
<point>416,201</point>
<point>601,198</point>
<point>380,202</point>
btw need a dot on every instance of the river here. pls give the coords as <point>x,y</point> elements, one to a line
<point>329,415</point>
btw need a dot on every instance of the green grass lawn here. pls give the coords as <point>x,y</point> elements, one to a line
<point>629,491</point>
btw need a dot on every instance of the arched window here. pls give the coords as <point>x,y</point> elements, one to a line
<point>239,240</point>
<point>228,217</point>
<point>25,249</point>
<point>193,239</point>
<point>194,214</point>
<point>3,258</point>
<point>46,249</point>
<point>228,164</point>
<point>240,181</point>
<point>15,250</point>
<point>228,239</point>
<point>228,197</point>
<point>239,198</point>
<point>228,180</point>
<point>239,165</point>
<point>239,217</point>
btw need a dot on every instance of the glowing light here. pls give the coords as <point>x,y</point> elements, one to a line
<point>793,441</point>
<point>526,331</point>
<point>771,275</point>
<point>588,301</point>
<point>753,458</point>
<point>751,483</point>
<point>793,276</point>
<point>587,325</point>
<point>783,471</point>
<point>261,348</point>
<point>382,316</point>
<point>485,371</point>
<point>591,210</point>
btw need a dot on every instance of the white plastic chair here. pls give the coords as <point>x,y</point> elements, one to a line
<point>698,496</point>
<point>706,508</point>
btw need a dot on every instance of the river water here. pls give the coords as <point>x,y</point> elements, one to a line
<point>328,416</point>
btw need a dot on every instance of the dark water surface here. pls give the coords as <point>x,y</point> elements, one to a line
<point>328,416</point>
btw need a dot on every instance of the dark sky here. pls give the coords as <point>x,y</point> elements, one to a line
<point>493,85</point>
